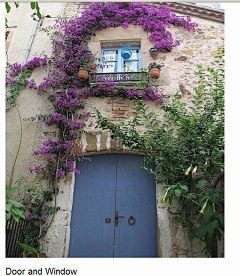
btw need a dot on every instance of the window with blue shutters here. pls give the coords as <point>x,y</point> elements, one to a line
<point>112,62</point>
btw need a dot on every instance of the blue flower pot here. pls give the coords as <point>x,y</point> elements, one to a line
<point>126,52</point>
<point>153,49</point>
<point>88,54</point>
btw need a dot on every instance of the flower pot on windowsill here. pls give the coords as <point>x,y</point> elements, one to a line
<point>155,72</point>
<point>83,74</point>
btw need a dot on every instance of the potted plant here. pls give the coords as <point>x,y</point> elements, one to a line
<point>153,52</point>
<point>154,69</point>
<point>84,70</point>
<point>88,54</point>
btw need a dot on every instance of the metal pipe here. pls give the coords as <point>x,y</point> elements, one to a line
<point>31,41</point>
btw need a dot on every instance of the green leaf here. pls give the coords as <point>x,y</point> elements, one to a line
<point>8,207</point>
<point>201,184</point>
<point>221,219</point>
<point>16,217</point>
<point>178,192</point>
<point>33,5</point>
<point>209,242</point>
<point>170,199</point>
<point>212,226</point>
<point>27,247</point>
<point>8,8</point>
<point>8,215</point>
<point>16,203</point>
<point>15,212</point>
<point>184,187</point>
<point>208,212</point>
<point>216,198</point>
<point>19,212</point>
<point>201,231</point>
<point>11,192</point>
<point>38,11</point>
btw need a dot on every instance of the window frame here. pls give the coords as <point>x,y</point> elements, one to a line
<point>119,61</point>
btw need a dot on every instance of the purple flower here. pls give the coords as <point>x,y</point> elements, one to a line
<point>60,172</point>
<point>43,218</point>
<point>66,93</point>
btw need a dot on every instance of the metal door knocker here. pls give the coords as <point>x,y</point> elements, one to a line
<point>131,220</point>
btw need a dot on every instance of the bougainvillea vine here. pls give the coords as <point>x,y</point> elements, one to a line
<point>66,92</point>
<point>69,42</point>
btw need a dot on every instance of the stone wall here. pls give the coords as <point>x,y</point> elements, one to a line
<point>178,74</point>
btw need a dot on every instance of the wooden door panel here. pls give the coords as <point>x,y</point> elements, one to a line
<point>94,201</point>
<point>136,196</point>
<point>108,183</point>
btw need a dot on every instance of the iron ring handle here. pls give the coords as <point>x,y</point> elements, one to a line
<point>131,220</point>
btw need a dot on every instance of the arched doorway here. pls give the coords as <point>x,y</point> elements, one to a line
<point>114,208</point>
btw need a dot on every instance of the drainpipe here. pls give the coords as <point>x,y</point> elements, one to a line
<point>31,41</point>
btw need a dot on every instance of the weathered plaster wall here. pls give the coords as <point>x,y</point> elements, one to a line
<point>20,135</point>
<point>179,73</point>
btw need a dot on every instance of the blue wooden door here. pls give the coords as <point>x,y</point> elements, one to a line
<point>114,209</point>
